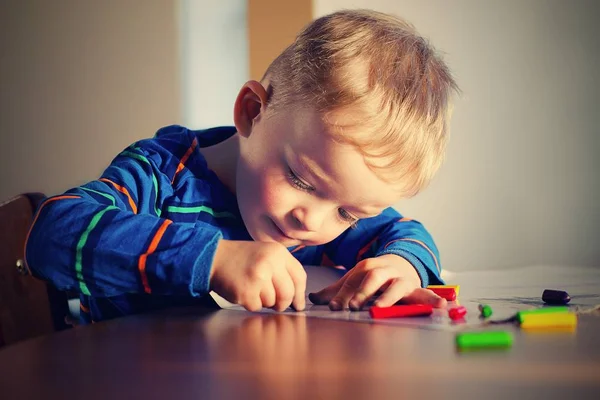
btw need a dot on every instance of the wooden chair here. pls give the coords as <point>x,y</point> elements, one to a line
<point>28,307</point>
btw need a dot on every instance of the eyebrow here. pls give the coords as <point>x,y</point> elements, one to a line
<point>306,168</point>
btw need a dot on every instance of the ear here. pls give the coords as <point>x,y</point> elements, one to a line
<point>250,102</point>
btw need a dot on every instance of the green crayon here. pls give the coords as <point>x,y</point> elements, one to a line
<point>484,339</point>
<point>485,310</point>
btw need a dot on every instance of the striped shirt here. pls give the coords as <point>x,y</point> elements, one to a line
<point>143,236</point>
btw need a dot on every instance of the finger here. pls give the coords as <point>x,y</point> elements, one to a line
<point>425,296</point>
<point>252,303</point>
<point>298,276</point>
<point>284,290</point>
<point>267,296</point>
<point>347,291</point>
<point>397,290</point>
<point>325,295</point>
<point>374,280</point>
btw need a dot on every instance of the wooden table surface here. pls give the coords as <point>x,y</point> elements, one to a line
<point>203,353</point>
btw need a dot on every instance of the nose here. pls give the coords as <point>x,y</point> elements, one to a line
<point>309,219</point>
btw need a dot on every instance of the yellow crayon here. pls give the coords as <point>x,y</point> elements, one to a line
<point>521,315</point>
<point>552,320</point>
<point>455,287</point>
<point>551,330</point>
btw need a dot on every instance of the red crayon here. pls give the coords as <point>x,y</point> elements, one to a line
<point>446,293</point>
<point>414,310</point>
<point>457,313</point>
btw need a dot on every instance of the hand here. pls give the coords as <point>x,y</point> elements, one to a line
<point>258,274</point>
<point>389,274</point>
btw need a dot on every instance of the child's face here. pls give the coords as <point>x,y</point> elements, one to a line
<point>295,185</point>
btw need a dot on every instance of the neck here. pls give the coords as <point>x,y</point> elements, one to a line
<point>222,160</point>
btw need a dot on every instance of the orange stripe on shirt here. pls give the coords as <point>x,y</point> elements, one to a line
<point>404,219</point>
<point>84,308</point>
<point>299,247</point>
<point>35,220</point>
<point>123,190</point>
<point>362,251</point>
<point>422,244</point>
<point>185,157</point>
<point>153,245</point>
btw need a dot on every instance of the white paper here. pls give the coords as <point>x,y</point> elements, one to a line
<point>506,291</point>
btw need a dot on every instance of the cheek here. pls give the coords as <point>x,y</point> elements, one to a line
<point>278,195</point>
<point>332,231</point>
<point>274,193</point>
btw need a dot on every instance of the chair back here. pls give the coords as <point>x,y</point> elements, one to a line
<point>28,306</point>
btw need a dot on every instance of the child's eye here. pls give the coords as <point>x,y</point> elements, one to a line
<point>346,217</point>
<point>297,182</point>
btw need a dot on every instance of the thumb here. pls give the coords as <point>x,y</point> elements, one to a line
<point>425,296</point>
<point>324,296</point>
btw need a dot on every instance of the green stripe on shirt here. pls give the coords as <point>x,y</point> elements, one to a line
<point>108,196</point>
<point>199,209</point>
<point>80,245</point>
<point>154,181</point>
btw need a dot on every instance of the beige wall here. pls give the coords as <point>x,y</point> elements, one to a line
<point>520,185</point>
<point>272,26</point>
<point>81,80</point>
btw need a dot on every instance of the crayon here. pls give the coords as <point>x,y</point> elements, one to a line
<point>414,310</point>
<point>457,313</point>
<point>550,296</point>
<point>485,310</point>
<point>545,310</point>
<point>446,293</point>
<point>550,320</point>
<point>483,339</point>
<point>455,287</point>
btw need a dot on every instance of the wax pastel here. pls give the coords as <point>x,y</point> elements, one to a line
<point>544,310</point>
<point>551,296</point>
<point>483,339</point>
<point>457,313</point>
<point>446,293</point>
<point>413,310</point>
<point>455,287</point>
<point>551,320</point>
<point>485,310</point>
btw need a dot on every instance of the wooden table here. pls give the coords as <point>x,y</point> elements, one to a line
<point>202,353</point>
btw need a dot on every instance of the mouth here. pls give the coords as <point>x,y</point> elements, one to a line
<point>281,233</point>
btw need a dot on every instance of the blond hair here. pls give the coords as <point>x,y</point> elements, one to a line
<point>393,86</point>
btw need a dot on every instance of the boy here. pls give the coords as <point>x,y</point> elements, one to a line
<point>348,120</point>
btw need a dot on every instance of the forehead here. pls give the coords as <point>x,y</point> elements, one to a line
<point>340,169</point>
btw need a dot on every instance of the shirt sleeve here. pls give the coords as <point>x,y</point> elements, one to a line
<point>388,233</point>
<point>107,237</point>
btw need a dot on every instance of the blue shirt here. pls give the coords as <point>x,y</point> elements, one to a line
<point>143,236</point>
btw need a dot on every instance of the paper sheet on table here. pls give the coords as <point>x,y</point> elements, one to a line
<point>321,277</point>
<point>506,291</point>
